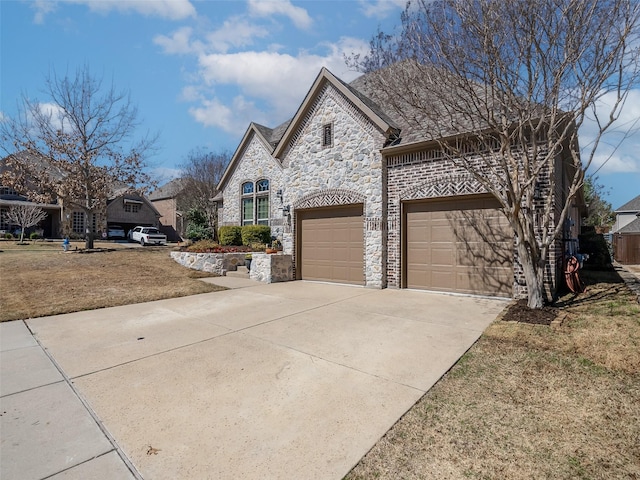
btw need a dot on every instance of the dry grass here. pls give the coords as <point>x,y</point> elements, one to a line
<point>531,401</point>
<point>39,279</point>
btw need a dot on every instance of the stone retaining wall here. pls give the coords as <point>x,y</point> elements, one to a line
<point>219,263</point>
<point>271,268</point>
<point>264,268</point>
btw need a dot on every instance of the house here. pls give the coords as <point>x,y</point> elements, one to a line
<point>129,209</point>
<point>358,196</point>
<point>626,233</point>
<point>627,214</point>
<point>124,208</point>
<point>165,201</point>
<point>49,227</point>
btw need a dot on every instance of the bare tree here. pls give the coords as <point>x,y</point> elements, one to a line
<point>201,173</point>
<point>503,88</point>
<point>76,147</point>
<point>25,216</point>
<point>599,211</point>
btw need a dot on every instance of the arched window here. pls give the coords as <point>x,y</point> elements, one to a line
<point>255,202</point>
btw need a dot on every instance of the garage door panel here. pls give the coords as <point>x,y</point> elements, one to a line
<point>470,247</point>
<point>442,256</point>
<point>331,246</point>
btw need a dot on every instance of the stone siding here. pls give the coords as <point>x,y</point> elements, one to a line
<point>348,171</point>
<point>219,263</point>
<point>271,268</point>
<point>255,163</point>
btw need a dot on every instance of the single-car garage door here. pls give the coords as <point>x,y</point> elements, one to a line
<point>331,244</point>
<point>460,245</point>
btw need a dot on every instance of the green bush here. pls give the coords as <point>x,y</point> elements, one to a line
<point>34,236</point>
<point>8,236</point>
<point>199,232</point>
<point>256,234</point>
<point>230,235</point>
<point>198,227</point>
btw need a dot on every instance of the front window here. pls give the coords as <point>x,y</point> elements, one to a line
<point>131,207</point>
<point>247,211</point>
<point>78,222</point>
<point>4,221</point>
<point>255,202</point>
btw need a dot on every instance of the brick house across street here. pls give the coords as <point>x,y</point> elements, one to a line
<point>124,208</point>
<point>357,196</point>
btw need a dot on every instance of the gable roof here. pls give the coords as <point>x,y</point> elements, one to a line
<point>262,133</point>
<point>633,227</point>
<point>365,105</point>
<point>630,206</point>
<point>168,190</point>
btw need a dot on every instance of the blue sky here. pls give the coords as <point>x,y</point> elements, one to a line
<point>200,71</point>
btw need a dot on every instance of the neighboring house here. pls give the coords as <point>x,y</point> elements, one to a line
<point>357,196</point>
<point>626,233</point>
<point>49,227</point>
<point>129,210</point>
<point>165,201</point>
<point>626,214</point>
<point>123,208</point>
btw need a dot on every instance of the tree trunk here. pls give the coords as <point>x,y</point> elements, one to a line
<point>88,241</point>
<point>533,276</point>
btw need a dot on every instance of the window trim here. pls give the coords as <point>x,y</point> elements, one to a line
<point>258,190</point>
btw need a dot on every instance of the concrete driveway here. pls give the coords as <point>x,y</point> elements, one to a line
<point>290,380</point>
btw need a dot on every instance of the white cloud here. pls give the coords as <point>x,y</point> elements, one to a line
<point>179,42</point>
<point>619,146</point>
<point>42,8</point>
<point>235,32</point>
<point>381,8</point>
<point>54,113</point>
<point>267,8</point>
<point>170,9</point>
<point>233,118</point>
<point>165,174</point>
<point>280,80</point>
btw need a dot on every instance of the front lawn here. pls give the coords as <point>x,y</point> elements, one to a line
<point>38,279</point>
<point>531,401</point>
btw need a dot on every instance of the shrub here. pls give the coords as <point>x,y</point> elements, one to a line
<point>202,246</point>
<point>199,232</point>
<point>230,235</point>
<point>258,247</point>
<point>8,236</point>
<point>209,246</point>
<point>34,236</point>
<point>256,234</point>
<point>198,227</point>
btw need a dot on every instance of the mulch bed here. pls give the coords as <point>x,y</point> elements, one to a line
<point>519,312</point>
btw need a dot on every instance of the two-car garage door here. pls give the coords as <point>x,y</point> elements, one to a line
<point>459,245</point>
<point>331,244</point>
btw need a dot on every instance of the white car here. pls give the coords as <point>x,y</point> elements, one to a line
<point>115,231</point>
<point>147,236</point>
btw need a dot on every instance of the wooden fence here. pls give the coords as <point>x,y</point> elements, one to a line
<point>626,248</point>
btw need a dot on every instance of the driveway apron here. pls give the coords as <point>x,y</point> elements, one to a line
<point>281,381</point>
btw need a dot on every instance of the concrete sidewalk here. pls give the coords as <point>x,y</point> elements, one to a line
<point>291,380</point>
<point>46,429</point>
